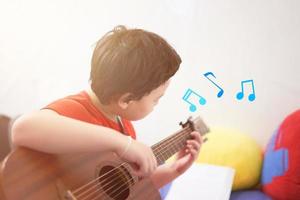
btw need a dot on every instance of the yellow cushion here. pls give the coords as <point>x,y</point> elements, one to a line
<point>237,150</point>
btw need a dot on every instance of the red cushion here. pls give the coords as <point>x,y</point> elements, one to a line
<point>281,167</point>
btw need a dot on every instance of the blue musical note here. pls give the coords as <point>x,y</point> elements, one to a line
<point>193,107</point>
<point>251,96</point>
<point>221,92</point>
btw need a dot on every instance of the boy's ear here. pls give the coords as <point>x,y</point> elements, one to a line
<point>125,100</point>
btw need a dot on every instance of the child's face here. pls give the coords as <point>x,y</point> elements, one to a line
<point>141,108</point>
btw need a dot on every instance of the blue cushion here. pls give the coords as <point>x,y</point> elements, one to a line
<point>164,190</point>
<point>249,195</point>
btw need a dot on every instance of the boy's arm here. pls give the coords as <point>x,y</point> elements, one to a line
<point>49,132</point>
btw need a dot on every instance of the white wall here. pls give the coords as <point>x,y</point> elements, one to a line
<point>46,46</point>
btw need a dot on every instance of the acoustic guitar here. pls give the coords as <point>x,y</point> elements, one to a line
<point>26,174</point>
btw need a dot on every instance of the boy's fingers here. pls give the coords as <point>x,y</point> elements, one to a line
<point>196,145</point>
<point>151,165</point>
<point>154,163</point>
<point>136,169</point>
<point>145,166</point>
<point>194,153</point>
<point>197,136</point>
<point>154,160</point>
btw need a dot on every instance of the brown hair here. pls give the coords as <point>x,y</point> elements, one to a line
<point>131,61</point>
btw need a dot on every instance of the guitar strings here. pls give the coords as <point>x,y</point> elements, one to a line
<point>164,148</point>
<point>171,137</point>
<point>124,184</point>
<point>113,195</point>
<point>154,149</point>
<point>166,145</point>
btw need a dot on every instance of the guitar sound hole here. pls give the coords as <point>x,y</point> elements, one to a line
<point>115,182</point>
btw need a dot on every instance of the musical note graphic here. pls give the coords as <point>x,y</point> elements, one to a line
<point>193,107</point>
<point>221,92</point>
<point>251,96</point>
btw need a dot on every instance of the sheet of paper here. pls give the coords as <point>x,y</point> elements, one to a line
<point>202,182</point>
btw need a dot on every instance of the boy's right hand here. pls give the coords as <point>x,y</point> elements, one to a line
<point>140,156</point>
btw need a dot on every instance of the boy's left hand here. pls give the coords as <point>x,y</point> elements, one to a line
<point>186,157</point>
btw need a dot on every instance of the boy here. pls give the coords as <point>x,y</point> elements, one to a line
<point>130,71</point>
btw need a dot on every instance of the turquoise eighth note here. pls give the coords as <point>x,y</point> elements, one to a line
<point>188,93</point>
<point>251,96</point>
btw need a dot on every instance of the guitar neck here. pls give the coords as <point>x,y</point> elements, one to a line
<point>172,144</point>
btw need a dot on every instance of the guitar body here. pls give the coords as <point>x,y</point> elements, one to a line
<point>31,175</point>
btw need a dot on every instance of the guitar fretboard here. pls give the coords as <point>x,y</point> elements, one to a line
<point>172,144</point>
